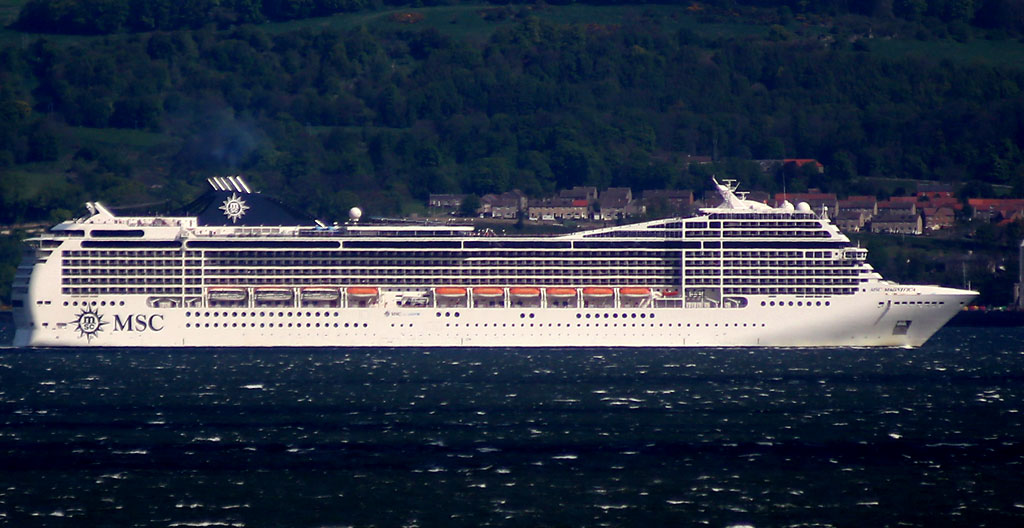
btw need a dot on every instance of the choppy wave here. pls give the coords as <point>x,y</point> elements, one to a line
<point>716,437</point>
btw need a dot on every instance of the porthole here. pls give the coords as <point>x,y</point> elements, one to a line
<point>215,314</point>
<point>365,325</point>
<point>456,315</point>
<point>188,325</point>
<point>763,303</point>
<point>827,303</point>
<point>579,315</point>
<point>121,303</point>
<point>187,314</point>
<point>531,316</point>
<point>523,316</point>
<point>772,303</point>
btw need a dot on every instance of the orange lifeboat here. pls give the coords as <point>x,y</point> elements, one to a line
<point>635,292</point>
<point>361,292</point>
<point>561,292</point>
<point>450,291</point>
<point>524,292</point>
<point>670,293</point>
<point>488,292</point>
<point>597,292</point>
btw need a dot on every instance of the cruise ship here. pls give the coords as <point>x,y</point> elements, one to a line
<point>236,269</point>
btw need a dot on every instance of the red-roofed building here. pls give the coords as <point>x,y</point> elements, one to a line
<point>936,218</point>
<point>995,208</point>
<point>800,162</point>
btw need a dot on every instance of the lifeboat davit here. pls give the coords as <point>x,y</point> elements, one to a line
<point>274,294</point>
<point>598,292</point>
<point>488,292</point>
<point>361,292</point>
<point>524,292</point>
<point>561,292</point>
<point>228,294</point>
<point>324,294</point>
<point>450,291</point>
<point>635,292</point>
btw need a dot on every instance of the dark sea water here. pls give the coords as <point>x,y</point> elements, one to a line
<point>711,437</point>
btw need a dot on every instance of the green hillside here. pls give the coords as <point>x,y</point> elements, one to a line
<point>380,107</point>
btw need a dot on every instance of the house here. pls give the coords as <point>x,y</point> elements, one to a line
<point>579,193</point>
<point>449,202</point>
<point>936,218</point>
<point>994,209</point>
<point>897,208</point>
<point>859,204</point>
<point>559,208</point>
<point>934,190</point>
<point>616,202</point>
<point>771,165</point>
<point>897,217</point>
<point>505,205</point>
<point>667,200</point>
<point>851,221</point>
<point>801,162</point>
<point>896,223</point>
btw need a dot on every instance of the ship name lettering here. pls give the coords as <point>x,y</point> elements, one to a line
<point>139,323</point>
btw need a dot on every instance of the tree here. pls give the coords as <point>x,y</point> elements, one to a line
<point>470,205</point>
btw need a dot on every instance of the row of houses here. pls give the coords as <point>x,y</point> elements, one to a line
<point>933,207</point>
<point>578,203</point>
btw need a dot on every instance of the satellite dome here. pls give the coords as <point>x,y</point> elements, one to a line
<point>803,207</point>
<point>786,206</point>
<point>354,214</point>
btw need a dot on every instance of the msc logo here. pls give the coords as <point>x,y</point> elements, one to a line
<point>139,323</point>
<point>90,323</point>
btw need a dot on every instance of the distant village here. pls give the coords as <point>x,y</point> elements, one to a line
<point>931,208</point>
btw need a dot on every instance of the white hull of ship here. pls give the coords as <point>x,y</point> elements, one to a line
<point>906,317</point>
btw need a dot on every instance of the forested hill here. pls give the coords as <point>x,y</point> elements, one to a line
<point>380,108</point>
<point>384,116</point>
<point>109,16</point>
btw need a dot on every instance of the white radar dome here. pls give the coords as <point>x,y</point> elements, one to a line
<point>786,206</point>
<point>355,213</point>
<point>803,207</point>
